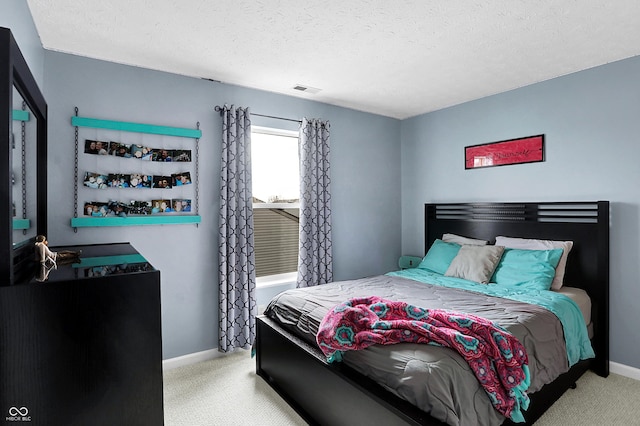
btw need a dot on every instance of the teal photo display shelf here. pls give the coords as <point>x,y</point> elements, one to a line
<point>19,115</point>
<point>135,127</point>
<point>126,126</point>
<point>81,222</point>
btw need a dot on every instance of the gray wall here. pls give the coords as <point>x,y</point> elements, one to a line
<point>591,121</point>
<point>15,15</point>
<point>365,178</point>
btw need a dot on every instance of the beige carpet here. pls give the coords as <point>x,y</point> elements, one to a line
<point>223,391</point>
<point>226,391</point>
<point>613,401</point>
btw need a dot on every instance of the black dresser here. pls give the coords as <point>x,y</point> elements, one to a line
<point>82,344</point>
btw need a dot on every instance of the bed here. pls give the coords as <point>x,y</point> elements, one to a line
<point>358,390</point>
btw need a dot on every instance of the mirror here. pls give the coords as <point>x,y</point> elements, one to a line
<point>23,176</point>
<point>18,87</point>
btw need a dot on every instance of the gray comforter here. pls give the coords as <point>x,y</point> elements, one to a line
<point>435,379</point>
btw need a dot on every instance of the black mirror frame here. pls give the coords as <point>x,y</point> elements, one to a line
<point>17,262</point>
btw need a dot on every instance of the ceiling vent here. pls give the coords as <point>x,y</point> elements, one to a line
<point>306,89</point>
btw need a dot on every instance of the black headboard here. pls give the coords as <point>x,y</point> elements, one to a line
<point>584,223</point>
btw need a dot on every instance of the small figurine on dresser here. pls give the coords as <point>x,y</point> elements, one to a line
<point>45,256</point>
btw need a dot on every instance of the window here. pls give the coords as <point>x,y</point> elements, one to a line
<point>275,178</point>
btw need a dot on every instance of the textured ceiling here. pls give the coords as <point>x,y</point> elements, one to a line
<point>394,58</point>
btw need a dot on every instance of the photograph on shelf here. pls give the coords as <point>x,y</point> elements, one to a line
<point>95,180</point>
<point>100,209</point>
<point>179,179</point>
<point>162,155</point>
<point>118,180</point>
<point>136,208</point>
<point>162,181</point>
<point>182,155</point>
<point>95,209</point>
<point>181,205</point>
<point>95,147</point>
<point>160,206</point>
<point>141,152</point>
<point>137,180</point>
<point>119,150</point>
<point>140,207</point>
<point>116,208</point>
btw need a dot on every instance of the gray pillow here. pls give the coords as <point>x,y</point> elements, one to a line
<point>475,263</point>
<point>459,239</point>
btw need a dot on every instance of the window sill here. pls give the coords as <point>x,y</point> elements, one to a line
<point>277,280</point>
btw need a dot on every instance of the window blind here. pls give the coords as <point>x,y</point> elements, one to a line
<point>275,240</point>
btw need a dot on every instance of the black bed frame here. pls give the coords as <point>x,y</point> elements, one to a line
<point>334,394</point>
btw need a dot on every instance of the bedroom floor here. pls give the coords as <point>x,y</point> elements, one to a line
<point>597,401</point>
<point>226,391</point>
<point>223,391</point>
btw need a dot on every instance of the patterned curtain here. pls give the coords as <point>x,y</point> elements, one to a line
<point>237,276</point>
<point>315,261</point>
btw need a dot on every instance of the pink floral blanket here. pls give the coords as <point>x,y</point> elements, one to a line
<point>497,358</point>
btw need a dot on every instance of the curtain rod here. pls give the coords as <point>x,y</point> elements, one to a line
<point>219,109</point>
<point>277,118</point>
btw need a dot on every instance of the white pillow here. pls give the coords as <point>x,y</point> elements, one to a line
<point>458,239</point>
<point>531,244</point>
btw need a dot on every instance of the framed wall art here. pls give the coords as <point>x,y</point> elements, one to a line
<point>529,149</point>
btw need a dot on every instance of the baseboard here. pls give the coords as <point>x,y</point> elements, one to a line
<point>181,361</point>
<point>624,370</point>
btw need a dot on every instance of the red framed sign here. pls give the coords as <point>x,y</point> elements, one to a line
<point>502,153</point>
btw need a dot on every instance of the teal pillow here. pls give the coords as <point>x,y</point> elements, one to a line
<point>527,268</point>
<point>439,256</point>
